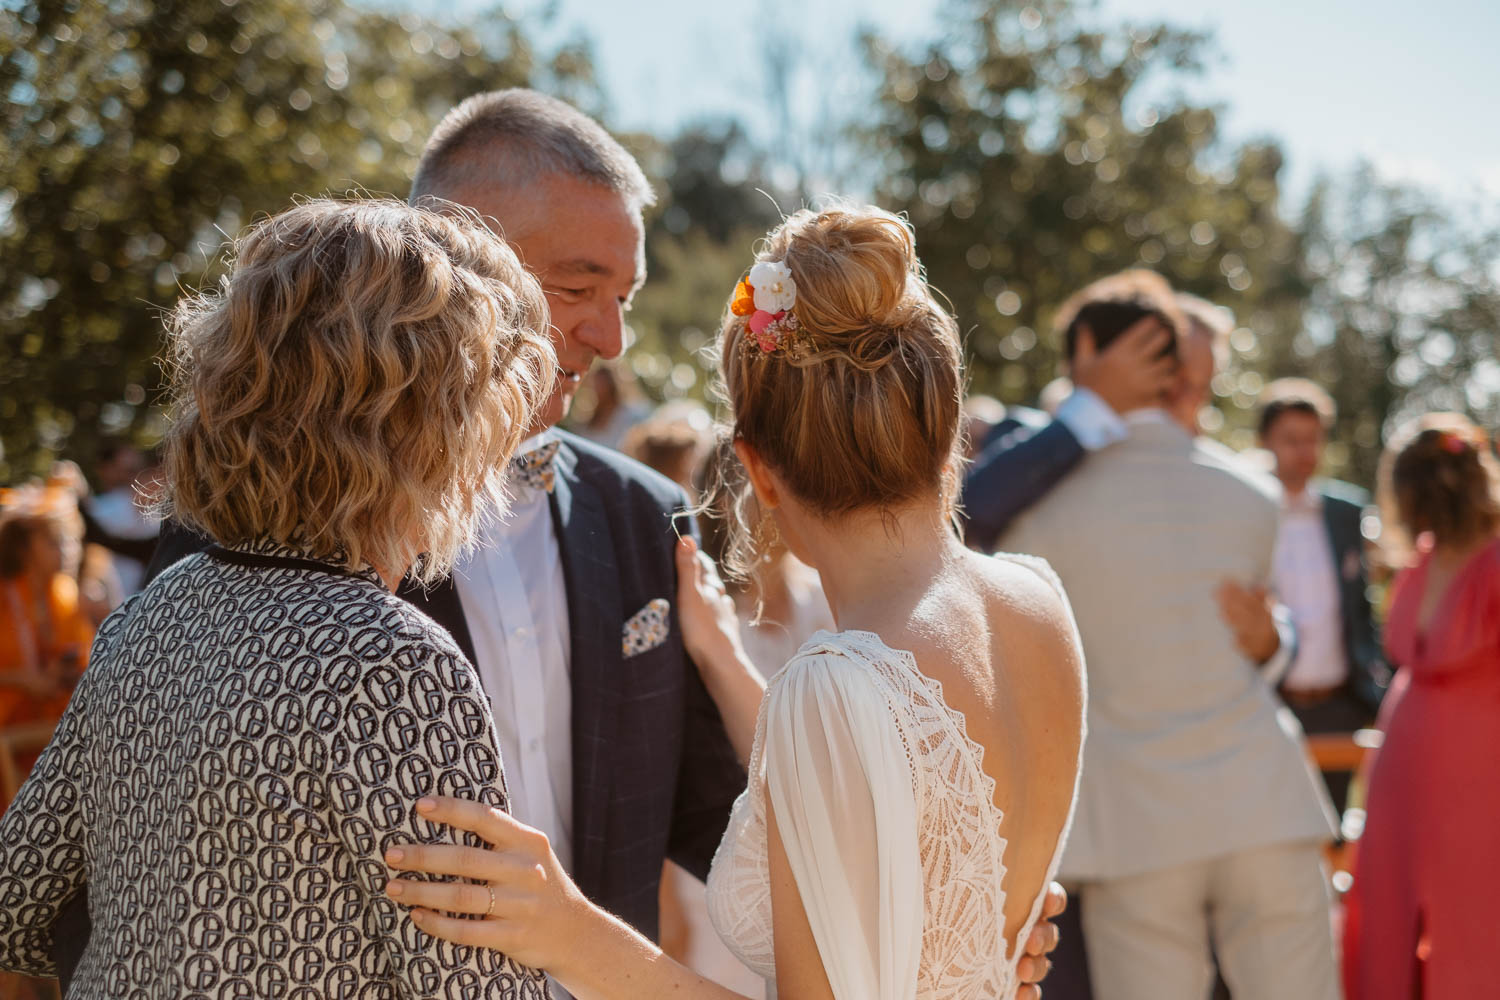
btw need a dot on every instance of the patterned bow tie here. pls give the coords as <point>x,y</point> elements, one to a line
<point>537,468</point>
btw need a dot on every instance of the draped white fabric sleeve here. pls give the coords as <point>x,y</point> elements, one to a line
<point>842,787</point>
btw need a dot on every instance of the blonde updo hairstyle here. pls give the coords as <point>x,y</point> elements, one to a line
<point>864,414</point>
<point>356,384</point>
<point>1438,475</point>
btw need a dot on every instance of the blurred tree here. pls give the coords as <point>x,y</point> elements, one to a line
<point>1035,153</point>
<point>716,200</point>
<point>138,134</point>
<point>1403,314</point>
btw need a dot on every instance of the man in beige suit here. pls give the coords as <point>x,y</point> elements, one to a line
<point>1199,820</point>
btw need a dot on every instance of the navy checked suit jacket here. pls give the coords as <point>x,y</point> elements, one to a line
<point>1022,459</point>
<point>654,774</point>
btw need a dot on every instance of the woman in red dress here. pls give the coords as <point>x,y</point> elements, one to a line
<point>1428,873</point>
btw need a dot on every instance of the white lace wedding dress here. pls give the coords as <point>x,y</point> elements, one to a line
<point>889,824</point>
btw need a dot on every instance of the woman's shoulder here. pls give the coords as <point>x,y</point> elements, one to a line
<point>1026,571</point>
<point>1029,610</point>
<point>837,670</point>
<point>1025,593</point>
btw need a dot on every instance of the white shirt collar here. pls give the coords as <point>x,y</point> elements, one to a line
<point>1308,499</point>
<point>1149,415</point>
<point>537,440</point>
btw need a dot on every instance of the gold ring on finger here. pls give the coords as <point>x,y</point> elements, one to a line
<point>489,911</point>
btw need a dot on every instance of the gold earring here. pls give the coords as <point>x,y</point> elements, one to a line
<point>767,535</point>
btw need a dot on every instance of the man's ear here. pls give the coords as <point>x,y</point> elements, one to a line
<point>1085,349</point>
<point>761,478</point>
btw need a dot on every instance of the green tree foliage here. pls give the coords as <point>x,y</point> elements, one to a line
<point>1035,153</point>
<point>715,202</point>
<point>1034,146</point>
<point>138,134</point>
<point>1403,314</point>
<point>1035,150</point>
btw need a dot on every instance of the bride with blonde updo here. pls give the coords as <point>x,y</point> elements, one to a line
<point>912,775</point>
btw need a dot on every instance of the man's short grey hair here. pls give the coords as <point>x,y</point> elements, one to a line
<point>516,138</point>
<point>1216,319</point>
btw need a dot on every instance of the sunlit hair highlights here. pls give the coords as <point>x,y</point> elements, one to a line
<point>1437,474</point>
<point>865,415</point>
<point>356,384</point>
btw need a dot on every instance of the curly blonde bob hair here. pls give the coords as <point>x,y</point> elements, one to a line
<point>356,384</point>
<point>865,415</point>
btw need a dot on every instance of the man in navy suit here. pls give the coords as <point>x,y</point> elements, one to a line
<point>1338,677</point>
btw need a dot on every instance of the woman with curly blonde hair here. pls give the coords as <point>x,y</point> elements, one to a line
<point>255,725</point>
<point>1420,919</point>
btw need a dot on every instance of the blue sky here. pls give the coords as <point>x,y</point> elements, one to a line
<point>1411,86</point>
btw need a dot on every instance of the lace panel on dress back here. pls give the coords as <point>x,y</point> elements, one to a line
<point>964,951</point>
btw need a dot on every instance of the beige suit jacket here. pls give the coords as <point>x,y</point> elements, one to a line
<point>1189,753</point>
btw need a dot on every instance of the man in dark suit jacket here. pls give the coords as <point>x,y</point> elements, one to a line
<point>1336,682</point>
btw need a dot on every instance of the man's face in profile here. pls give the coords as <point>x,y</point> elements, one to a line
<point>585,244</point>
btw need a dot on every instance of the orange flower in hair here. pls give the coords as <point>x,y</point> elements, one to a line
<point>767,296</point>
<point>743,303</point>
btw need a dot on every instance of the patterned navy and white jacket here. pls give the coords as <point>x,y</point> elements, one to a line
<point>251,734</point>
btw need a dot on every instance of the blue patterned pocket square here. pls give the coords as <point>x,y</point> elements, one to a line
<point>647,628</point>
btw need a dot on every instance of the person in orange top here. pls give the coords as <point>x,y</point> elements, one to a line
<point>44,634</point>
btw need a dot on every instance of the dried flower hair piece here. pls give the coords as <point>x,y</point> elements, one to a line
<point>1454,443</point>
<point>767,296</point>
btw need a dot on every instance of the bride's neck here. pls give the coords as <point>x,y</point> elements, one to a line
<point>873,564</point>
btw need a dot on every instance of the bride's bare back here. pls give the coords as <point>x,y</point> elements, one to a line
<point>1001,641</point>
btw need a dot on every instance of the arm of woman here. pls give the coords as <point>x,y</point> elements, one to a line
<point>711,634</point>
<point>41,844</point>
<point>845,866</point>
<point>525,905</point>
<point>413,721</point>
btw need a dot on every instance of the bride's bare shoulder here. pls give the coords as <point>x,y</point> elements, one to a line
<point>1030,614</point>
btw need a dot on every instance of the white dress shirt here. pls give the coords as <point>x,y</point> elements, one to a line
<point>1307,582</point>
<point>516,606</point>
<point>1093,421</point>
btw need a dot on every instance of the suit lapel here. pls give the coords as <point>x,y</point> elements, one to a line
<point>592,579</point>
<point>1344,547</point>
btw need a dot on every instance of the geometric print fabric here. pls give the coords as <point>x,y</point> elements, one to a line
<point>246,743</point>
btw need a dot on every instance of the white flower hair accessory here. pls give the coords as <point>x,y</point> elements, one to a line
<point>775,291</point>
<point>767,297</point>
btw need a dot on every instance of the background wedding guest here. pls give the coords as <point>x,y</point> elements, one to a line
<point>125,477</point>
<point>617,405</point>
<point>1200,826</point>
<point>255,726</point>
<point>1028,452</point>
<point>1338,676</point>
<point>674,441</point>
<point>44,631</point>
<point>1422,908</point>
